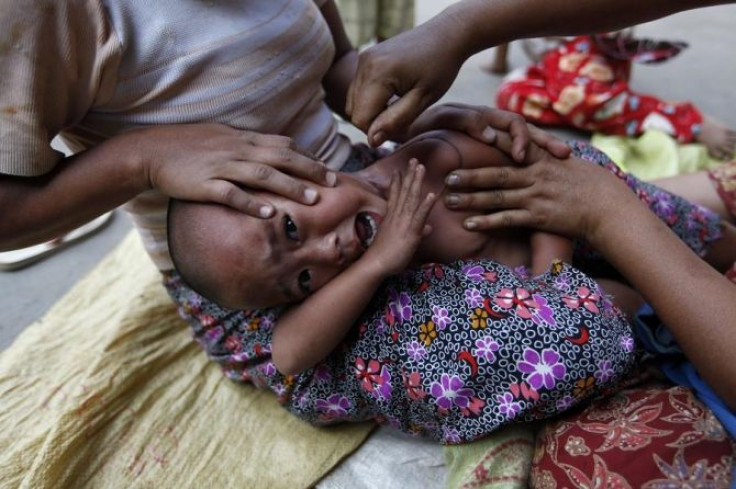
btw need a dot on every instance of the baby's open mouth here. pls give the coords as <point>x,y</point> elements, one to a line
<point>366,227</point>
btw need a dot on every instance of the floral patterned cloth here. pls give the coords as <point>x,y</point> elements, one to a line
<point>724,179</point>
<point>581,85</point>
<point>454,351</point>
<point>656,437</point>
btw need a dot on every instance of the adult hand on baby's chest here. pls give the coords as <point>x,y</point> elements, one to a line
<point>449,241</point>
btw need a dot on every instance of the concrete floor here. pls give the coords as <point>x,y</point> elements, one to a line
<point>705,74</point>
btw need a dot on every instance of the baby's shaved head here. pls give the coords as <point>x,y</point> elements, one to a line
<point>190,245</point>
<point>209,246</point>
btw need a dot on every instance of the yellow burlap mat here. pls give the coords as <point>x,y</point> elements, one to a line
<point>109,390</point>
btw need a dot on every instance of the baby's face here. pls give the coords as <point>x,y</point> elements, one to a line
<point>289,256</point>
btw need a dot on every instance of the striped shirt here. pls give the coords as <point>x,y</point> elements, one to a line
<point>88,70</point>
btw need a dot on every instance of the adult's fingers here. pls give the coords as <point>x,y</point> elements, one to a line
<point>260,176</point>
<point>269,140</point>
<point>397,117</point>
<point>490,178</point>
<point>501,219</point>
<point>488,200</point>
<point>509,143</point>
<point>229,194</point>
<point>366,100</point>
<point>290,161</point>
<point>519,135</point>
<point>474,120</point>
<point>556,146</point>
<point>515,126</point>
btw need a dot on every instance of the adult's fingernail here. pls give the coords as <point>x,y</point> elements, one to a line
<point>522,154</point>
<point>265,211</point>
<point>331,178</point>
<point>452,179</point>
<point>310,195</point>
<point>489,134</point>
<point>452,200</point>
<point>379,138</point>
<point>470,224</point>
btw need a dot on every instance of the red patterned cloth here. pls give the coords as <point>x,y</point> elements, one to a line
<point>655,437</point>
<point>581,84</point>
<point>731,273</point>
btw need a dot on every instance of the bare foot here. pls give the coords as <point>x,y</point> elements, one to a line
<point>719,139</point>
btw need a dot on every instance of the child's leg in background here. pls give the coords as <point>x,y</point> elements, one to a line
<point>715,189</point>
<point>631,114</point>
<point>577,85</point>
<point>698,227</point>
<point>699,188</point>
<point>723,178</point>
<point>527,94</point>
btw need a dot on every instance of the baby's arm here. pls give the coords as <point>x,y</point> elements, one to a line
<point>546,248</point>
<point>309,331</point>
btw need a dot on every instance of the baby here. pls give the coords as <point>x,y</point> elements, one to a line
<point>330,258</point>
<point>219,253</point>
<point>478,343</point>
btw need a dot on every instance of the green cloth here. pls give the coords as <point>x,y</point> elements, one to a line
<point>109,391</point>
<point>654,154</point>
<point>375,20</point>
<point>499,461</point>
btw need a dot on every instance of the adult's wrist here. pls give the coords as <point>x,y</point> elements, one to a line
<point>138,157</point>
<point>623,219</point>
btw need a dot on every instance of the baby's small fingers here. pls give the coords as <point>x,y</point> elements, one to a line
<point>497,220</point>
<point>394,190</point>
<point>425,208</point>
<point>410,175</point>
<point>409,193</point>
<point>416,184</point>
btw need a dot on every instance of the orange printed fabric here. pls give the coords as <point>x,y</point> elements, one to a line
<point>581,85</point>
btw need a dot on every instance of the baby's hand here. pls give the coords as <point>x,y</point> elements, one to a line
<point>403,227</point>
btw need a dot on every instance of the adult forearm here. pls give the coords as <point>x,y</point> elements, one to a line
<point>487,23</point>
<point>82,187</point>
<point>696,303</point>
<point>337,81</point>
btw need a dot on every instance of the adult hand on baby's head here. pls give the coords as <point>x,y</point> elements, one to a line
<point>216,163</point>
<point>481,123</point>
<point>404,225</point>
<point>415,69</point>
<point>418,66</point>
<point>568,196</point>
